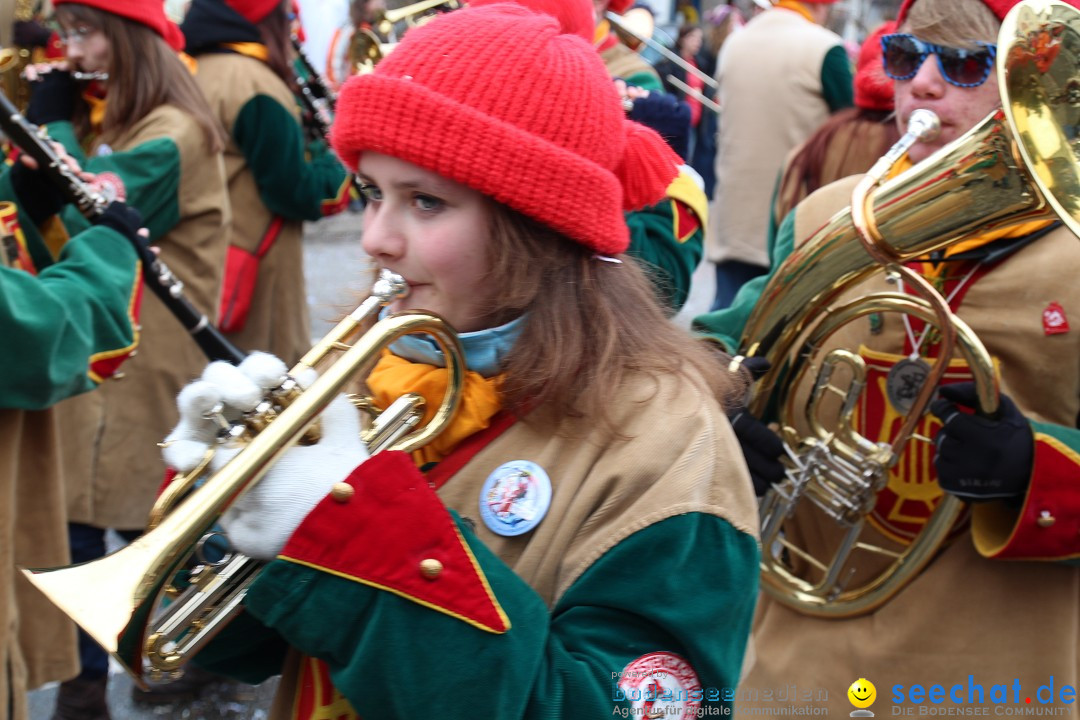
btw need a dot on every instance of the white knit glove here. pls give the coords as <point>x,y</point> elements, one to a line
<point>261,521</point>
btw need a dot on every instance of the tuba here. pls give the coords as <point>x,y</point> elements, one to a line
<point>1020,164</point>
<point>134,582</point>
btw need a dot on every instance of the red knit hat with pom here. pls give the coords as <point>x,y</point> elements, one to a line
<point>253,10</point>
<point>1000,8</point>
<point>496,98</point>
<point>575,16</point>
<point>873,88</point>
<point>150,13</point>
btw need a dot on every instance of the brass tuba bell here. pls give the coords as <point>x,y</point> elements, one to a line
<point>1020,164</point>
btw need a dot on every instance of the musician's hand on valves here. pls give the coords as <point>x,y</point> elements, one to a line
<point>52,93</point>
<point>260,522</point>
<point>762,448</point>
<point>981,457</point>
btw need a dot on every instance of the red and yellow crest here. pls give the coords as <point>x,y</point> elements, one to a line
<point>912,493</point>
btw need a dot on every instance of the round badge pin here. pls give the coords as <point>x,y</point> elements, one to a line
<point>515,498</point>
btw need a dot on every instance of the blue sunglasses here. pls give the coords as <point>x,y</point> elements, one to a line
<point>903,55</point>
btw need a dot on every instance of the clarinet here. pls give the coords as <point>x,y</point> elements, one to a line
<point>317,98</point>
<point>160,279</point>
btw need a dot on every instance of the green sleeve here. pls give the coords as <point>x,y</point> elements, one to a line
<point>668,260</point>
<point>58,320</point>
<point>150,172</point>
<point>726,325</point>
<point>685,585</point>
<point>289,184</point>
<point>648,80</point>
<point>837,80</point>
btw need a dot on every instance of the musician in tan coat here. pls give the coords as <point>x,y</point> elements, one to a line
<point>989,626</point>
<point>154,142</point>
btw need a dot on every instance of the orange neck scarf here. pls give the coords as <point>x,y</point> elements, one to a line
<point>796,7</point>
<point>394,376</point>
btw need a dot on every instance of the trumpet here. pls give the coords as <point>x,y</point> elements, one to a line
<point>137,579</point>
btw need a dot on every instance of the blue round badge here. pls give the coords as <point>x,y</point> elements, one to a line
<point>515,498</point>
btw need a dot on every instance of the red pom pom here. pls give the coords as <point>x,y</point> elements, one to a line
<point>647,168</point>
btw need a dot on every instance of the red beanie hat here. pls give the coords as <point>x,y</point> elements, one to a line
<point>496,98</point>
<point>253,10</point>
<point>873,88</point>
<point>150,13</point>
<point>575,16</point>
<point>1000,8</point>
<point>619,7</point>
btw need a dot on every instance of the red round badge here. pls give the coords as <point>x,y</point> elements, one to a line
<point>661,684</point>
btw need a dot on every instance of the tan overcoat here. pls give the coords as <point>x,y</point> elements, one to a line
<point>111,463</point>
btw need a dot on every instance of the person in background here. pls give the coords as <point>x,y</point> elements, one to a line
<point>849,142</point>
<point>780,78</point>
<point>71,321</point>
<point>243,52</point>
<point>152,141</point>
<point>688,46</point>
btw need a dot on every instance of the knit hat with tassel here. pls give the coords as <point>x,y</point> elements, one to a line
<point>496,98</point>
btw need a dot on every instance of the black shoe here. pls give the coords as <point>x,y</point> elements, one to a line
<point>81,699</point>
<point>184,689</point>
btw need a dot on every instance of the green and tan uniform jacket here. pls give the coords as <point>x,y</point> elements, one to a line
<point>273,188</point>
<point>68,329</point>
<point>112,465</point>
<point>667,238</point>
<point>773,76</point>
<point>983,609</point>
<point>634,590</point>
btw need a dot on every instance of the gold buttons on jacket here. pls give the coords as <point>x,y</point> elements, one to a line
<point>1046,519</point>
<point>342,492</point>
<point>431,568</point>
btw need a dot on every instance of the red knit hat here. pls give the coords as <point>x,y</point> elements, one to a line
<point>253,10</point>
<point>496,98</point>
<point>575,16</point>
<point>1000,8</point>
<point>150,13</point>
<point>873,88</point>
<point>620,6</point>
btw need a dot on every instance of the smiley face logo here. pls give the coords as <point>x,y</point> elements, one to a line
<point>862,693</point>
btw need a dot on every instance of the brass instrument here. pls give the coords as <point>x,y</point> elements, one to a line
<point>1018,165</point>
<point>366,48</point>
<point>130,583</point>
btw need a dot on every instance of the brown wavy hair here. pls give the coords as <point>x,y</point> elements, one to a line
<point>590,325</point>
<point>150,75</point>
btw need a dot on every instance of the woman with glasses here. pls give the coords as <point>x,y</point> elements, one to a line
<point>971,624</point>
<point>150,139</point>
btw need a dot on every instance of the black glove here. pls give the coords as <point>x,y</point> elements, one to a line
<point>31,34</point>
<point>52,98</point>
<point>761,447</point>
<point>124,219</point>
<point>666,115</point>
<point>39,197</point>
<point>981,457</point>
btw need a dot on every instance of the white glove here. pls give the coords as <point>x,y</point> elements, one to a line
<point>261,521</point>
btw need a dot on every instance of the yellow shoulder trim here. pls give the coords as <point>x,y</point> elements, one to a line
<point>685,190</point>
